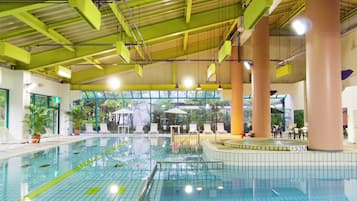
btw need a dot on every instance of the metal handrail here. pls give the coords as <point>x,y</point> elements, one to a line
<point>145,190</point>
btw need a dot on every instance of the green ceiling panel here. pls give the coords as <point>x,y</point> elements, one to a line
<point>150,34</point>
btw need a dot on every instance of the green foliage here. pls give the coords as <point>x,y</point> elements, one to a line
<point>276,119</point>
<point>36,118</point>
<point>299,118</point>
<point>78,114</point>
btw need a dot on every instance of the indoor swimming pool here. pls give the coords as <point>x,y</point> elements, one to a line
<point>119,168</point>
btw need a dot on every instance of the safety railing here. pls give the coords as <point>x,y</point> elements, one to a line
<point>144,194</point>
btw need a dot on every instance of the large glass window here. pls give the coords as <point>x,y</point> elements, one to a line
<point>277,109</point>
<point>133,108</point>
<point>4,108</point>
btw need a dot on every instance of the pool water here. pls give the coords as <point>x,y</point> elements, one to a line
<point>258,183</point>
<point>117,168</point>
<point>84,170</point>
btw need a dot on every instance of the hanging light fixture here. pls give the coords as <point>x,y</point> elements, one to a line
<point>219,87</point>
<point>198,86</point>
<point>177,86</point>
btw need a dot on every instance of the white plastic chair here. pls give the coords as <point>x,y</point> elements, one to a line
<point>139,129</point>
<point>89,128</point>
<point>220,129</point>
<point>207,129</point>
<point>153,128</point>
<point>193,128</point>
<point>104,128</point>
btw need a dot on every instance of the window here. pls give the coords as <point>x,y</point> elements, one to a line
<point>4,108</point>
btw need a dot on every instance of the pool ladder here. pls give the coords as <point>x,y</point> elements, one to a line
<point>176,165</point>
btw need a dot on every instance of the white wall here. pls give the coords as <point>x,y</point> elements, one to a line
<point>349,50</point>
<point>349,97</point>
<point>349,93</point>
<point>19,97</point>
<point>14,81</point>
<point>295,90</point>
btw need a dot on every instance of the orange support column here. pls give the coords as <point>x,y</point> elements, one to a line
<point>261,79</point>
<point>323,75</point>
<point>237,94</point>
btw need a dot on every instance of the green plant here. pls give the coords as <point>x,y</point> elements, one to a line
<point>78,114</point>
<point>36,118</point>
<point>299,118</point>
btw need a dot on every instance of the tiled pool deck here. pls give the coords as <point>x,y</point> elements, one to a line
<point>13,149</point>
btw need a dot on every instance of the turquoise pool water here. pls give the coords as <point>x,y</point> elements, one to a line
<point>117,168</point>
<point>258,183</point>
<point>95,169</point>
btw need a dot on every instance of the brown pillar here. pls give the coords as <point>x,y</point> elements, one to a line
<point>237,94</point>
<point>323,75</point>
<point>261,79</point>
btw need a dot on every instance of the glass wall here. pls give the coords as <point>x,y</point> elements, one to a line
<point>133,108</point>
<point>277,109</point>
<point>4,108</point>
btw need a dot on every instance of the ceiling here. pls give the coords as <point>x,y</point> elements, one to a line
<point>154,30</point>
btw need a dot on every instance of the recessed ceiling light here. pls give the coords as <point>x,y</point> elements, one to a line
<point>113,83</point>
<point>300,26</point>
<point>188,82</point>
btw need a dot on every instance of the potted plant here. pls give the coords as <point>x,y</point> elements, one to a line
<point>35,120</point>
<point>78,114</point>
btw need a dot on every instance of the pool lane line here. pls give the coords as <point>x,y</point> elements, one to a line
<point>62,177</point>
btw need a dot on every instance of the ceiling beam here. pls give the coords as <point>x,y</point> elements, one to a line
<point>89,11</point>
<point>94,61</point>
<point>104,87</point>
<point>177,52</point>
<point>297,9</point>
<point>350,14</point>
<point>93,73</point>
<point>185,41</point>
<point>124,25</point>
<point>231,29</point>
<point>188,11</point>
<point>11,9</point>
<point>151,33</point>
<point>27,31</point>
<point>41,27</point>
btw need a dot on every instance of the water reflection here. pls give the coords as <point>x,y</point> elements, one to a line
<point>262,183</point>
<point>23,174</point>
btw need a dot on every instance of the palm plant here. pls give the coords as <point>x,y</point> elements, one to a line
<point>35,120</point>
<point>78,114</point>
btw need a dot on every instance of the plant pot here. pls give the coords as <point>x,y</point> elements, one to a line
<point>36,138</point>
<point>76,131</point>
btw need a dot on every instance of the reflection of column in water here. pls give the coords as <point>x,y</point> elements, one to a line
<point>326,189</point>
<point>140,147</point>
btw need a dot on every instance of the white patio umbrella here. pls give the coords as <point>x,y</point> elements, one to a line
<point>123,111</point>
<point>175,111</point>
